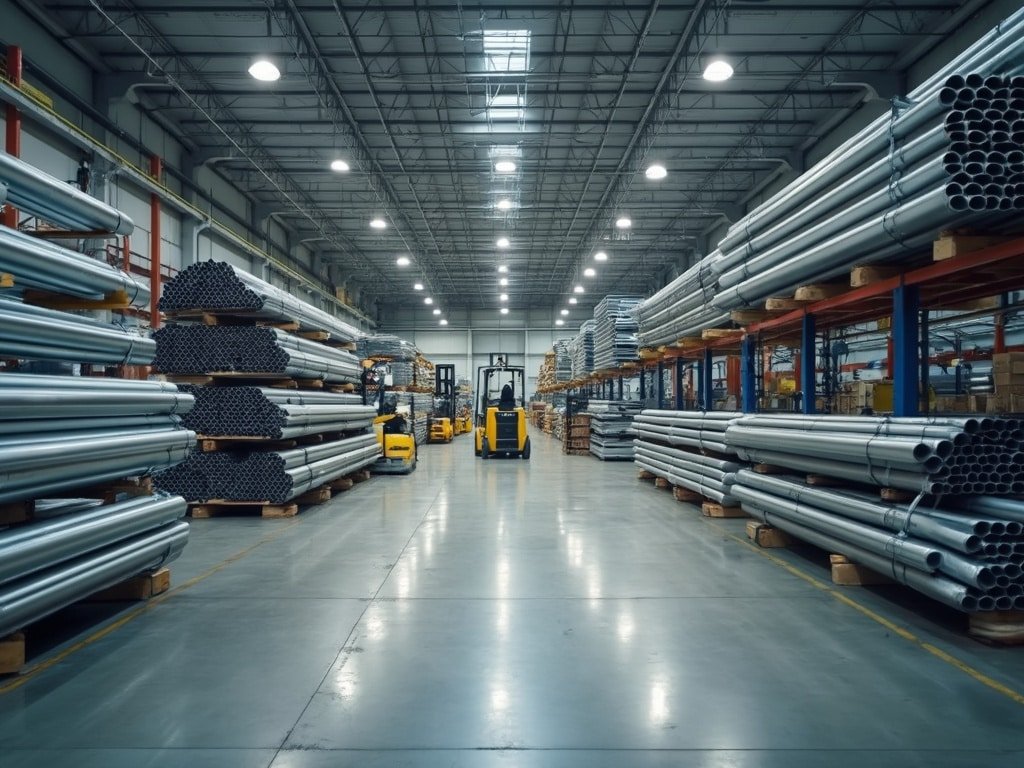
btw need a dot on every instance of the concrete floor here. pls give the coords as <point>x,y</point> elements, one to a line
<point>504,613</point>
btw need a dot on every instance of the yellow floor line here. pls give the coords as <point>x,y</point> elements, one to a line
<point>903,632</point>
<point>134,613</point>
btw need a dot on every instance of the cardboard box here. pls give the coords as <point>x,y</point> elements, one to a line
<point>1007,379</point>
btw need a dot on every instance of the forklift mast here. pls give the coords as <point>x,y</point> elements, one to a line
<point>444,390</point>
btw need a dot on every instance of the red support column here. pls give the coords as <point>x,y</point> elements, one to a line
<point>156,171</point>
<point>13,121</point>
<point>732,375</point>
<point>126,254</point>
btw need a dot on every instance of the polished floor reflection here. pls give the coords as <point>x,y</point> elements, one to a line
<point>555,612</point>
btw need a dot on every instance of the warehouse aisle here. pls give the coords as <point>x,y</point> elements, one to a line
<point>504,613</point>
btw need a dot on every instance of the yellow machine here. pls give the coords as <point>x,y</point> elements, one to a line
<point>441,430</point>
<point>463,424</point>
<point>393,429</point>
<point>442,420</point>
<point>501,413</point>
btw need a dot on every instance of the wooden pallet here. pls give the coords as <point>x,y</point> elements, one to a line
<point>224,507</point>
<point>644,474</point>
<point>231,317</point>
<point>869,275</point>
<point>819,291</point>
<point>210,444</point>
<point>847,574</point>
<point>714,509</point>
<point>576,451</point>
<point>997,627</point>
<point>109,492</point>
<point>768,537</point>
<point>138,588</point>
<point>951,244</point>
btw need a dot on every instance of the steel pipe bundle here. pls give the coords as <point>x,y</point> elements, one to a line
<point>40,594</point>
<point>563,360</point>
<point>45,266</point>
<point>708,476</point>
<point>271,476</point>
<point>34,333</point>
<point>967,560</point>
<point>403,373</point>
<point>30,398</point>
<point>47,197</point>
<point>274,413</point>
<point>418,407</point>
<point>951,157</point>
<point>386,345</point>
<point>200,349</point>
<point>704,430</point>
<point>936,456</point>
<point>581,349</point>
<point>615,331</point>
<point>220,287</point>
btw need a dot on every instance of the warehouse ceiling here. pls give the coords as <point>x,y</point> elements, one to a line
<point>422,99</point>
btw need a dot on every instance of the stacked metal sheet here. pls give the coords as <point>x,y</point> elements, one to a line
<point>615,331</point>
<point>581,348</point>
<point>968,558</point>
<point>563,360</point>
<point>611,428</point>
<point>201,349</point>
<point>48,564</point>
<point>268,476</point>
<point>386,345</point>
<point>937,456</point>
<point>58,433</point>
<point>950,156</point>
<point>419,407</point>
<point>277,414</point>
<point>216,286</point>
<point>403,373</point>
<point>34,333</point>
<point>701,430</point>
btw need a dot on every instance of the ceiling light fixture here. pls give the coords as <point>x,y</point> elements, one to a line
<point>437,311</point>
<point>565,312</point>
<point>339,166</point>
<point>573,300</point>
<point>417,286</point>
<point>504,310</point>
<point>655,172</point>
<point>378,223</point>
<point>502,268</point>
<point>559,321</point>
<point>505,166</point>
<point>589,272</point>
<point>623,222</point>
<point>503,282</point>
<point>443,321</point>
<point>503,242</point>
<point>403,261</point>
<point>264,70</point>
<point>718,70</point>
<point>504,204</point>
<point>503,297</point>
<point>578,289</point>
<point>600,256</point>
<point>428,300</point>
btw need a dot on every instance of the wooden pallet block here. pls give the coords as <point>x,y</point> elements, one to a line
<point>750,316</point>
<point>847,574</point>
<point>207,444</point>
<point>661,482</point>
<point>997,627</point>
<point>686,495</point>
<point>896,495</point>
<point>869,275</point>
<point>782,304</point>
<point>321,336</point>
<point>6,280</point>
<point>309,383</point>
<point>222,507</point>
<point>314,496</point>
<point>769,469</point>
<point>141,587</point>
<point>710,334</point>
<point>343,389</point>
<point>577,452</point>
<point>341,485</point>
<point>953,244</point>
<point>820,291</point>
<point>12,653</point>
<point>138,486</point>
<point>644,474</point>
<point>768,537</point>
<point>714,509</point>
<point>824,481</point>
<point>361,476</point>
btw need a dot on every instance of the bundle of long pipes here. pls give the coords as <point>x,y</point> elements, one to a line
<point>63,432</point>
<point>31,598</point>
<point>703,430</point>
<point>34,333</point>
<point>219,287</point>
<point>611,428</point>
<point>386,345</point>
<point>50,198</point>
<point>563,360</point>
<point>949,158</point>
<point>582,350</point>
<point>706,475</point>
<point>278,414</point>
<point>970,560</point>
<point>42,265</point>
<point>950,455</point>
<point>270,476</point>
<point>615,329</point>
<point>200,349</point>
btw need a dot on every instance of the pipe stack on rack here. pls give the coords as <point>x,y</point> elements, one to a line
<point>582,350</point>
<point>615,331</point>
<point>386,345</point>
<point>419,406</point>
<point>937,456</point>
<point>563,360</point>
<point>218,287</point>
<point>269,476</point>
<point>969,559</point>
<point>276,414</point>
<point>611,428</point>
<point>201,349</point>
<point>700,430</point>
<point>951,157</point>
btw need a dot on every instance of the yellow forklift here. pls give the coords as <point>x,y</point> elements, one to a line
<point>442,421</point>
<point>501,411</point>
<point>394,431</point>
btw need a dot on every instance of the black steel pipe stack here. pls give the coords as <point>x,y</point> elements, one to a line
<point>268,476</point>
<point>218,287</point>
<point>201,349</point>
